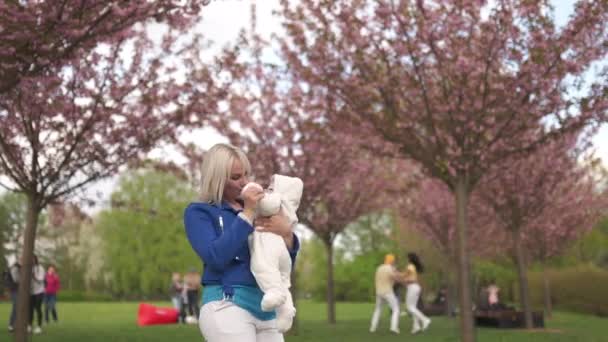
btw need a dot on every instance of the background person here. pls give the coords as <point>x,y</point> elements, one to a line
<point>176,290</point>
<point>414,267</point>
<point>12,283</point>
<point>36,295</point>
<point>52,285</point>
<point>385,278</point>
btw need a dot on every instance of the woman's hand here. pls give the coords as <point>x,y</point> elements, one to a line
<point>251,195</point>
<point>276,224</point>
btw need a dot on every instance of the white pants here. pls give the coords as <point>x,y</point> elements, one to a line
<point>223,321</point>
<point>411,303</point>
<point>271,267</point>
<point>393,303</point>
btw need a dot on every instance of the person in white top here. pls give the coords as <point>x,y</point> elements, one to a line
<point>385,278</point>
<point>270,260</point>
<point>420,321</point>
<point>37,294</point>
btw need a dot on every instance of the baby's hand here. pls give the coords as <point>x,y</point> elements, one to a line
<point>251,194</point>
<point>276,224</point>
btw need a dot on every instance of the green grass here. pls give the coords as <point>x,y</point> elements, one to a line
<point>116,322</point>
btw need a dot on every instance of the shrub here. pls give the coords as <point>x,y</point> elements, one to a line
<point>579,289</point>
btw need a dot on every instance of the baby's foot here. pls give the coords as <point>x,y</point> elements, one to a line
<point>285,317</point>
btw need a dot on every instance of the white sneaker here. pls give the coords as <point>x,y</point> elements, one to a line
<point>395,331</point>
<point>426,324</point>
<point>37,330</point>
<point>10,328</point>
<point>415,329</point>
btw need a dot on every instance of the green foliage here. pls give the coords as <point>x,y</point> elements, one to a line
<point>502,274</point>
<point>82,296</point>
<point>311,269</point>
<point>354,278</point>
<point>143,235</point>
<point>591,248</point>
<point>579,289</point>
<point>370,233</point>
<point>357,253</point>
<point>13,208</point>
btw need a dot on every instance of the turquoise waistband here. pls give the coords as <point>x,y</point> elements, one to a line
<point>245,297</point>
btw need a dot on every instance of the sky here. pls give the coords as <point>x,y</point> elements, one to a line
<point>223,19</point>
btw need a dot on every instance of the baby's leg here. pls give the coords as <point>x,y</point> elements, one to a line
<point>266,250</point>
<point>285,314</point>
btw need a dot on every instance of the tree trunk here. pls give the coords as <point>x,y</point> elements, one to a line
<point>547,293</point>
<point>331,302</point>
<point>451,288</point>
<point>451,294</point>
<point>467,327</point>
<point>524,293</point>
<point>25,276</point>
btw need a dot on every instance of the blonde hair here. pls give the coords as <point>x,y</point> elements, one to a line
<point>216,168</point>
<point>389,258</point>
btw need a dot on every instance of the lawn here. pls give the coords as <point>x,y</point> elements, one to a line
<point>115,322</point>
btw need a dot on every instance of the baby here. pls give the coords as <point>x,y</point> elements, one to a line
<point>270,260</point>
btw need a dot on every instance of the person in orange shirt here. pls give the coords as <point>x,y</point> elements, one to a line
<point>385,278</point>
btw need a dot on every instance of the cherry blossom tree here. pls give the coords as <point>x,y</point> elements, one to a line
<point>537,200</point>
<point>457,86</point>
<point>38,35</point>
<point>82,93</point>
<point>576,206</point>
<point>430,210</point>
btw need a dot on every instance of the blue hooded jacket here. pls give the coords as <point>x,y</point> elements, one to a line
<point>219,237</point>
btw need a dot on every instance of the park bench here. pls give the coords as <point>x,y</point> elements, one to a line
<point>507,319</point>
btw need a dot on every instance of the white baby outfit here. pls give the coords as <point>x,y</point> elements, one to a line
<point>270,260</point>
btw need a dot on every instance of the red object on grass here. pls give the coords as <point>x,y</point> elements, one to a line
<point>150,315</point>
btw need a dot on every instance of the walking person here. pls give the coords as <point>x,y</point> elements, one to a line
<point>12,283</point>
<point>192,285</point>
<point>414,267</point>
<point>385,279</point>
<point>51,288</point>
<point>175,291</point>
<point>36,295</point>
<point>218,228</point>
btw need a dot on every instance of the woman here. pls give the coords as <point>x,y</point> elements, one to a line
<point>175,291</point>
<point>36,295</point>
<point>191,286</point>
<point>420,321</point>
<point>218,228</point>
<point>52,285</point>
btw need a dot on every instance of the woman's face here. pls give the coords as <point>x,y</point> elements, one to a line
<point>235,182</point>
